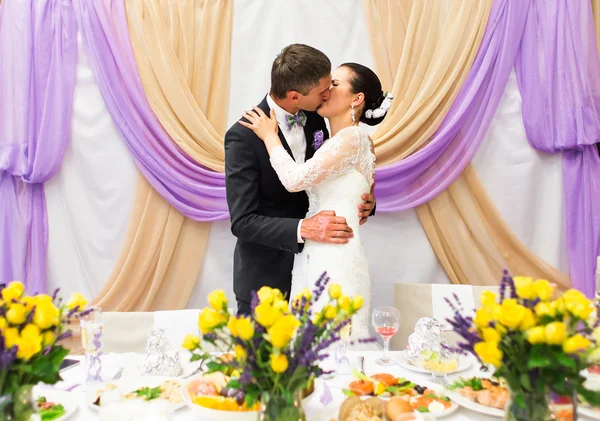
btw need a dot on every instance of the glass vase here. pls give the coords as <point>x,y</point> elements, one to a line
<point>525,405</point>
<point>278,407</point>
<point>19,406</point>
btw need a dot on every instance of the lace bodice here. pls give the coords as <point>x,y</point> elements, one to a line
<point>339,173</point>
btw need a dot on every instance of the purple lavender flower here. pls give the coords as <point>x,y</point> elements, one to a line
<point>254,301</point>
<point>318,139</point>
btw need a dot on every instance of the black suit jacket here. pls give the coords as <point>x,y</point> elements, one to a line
<point>264,215</point>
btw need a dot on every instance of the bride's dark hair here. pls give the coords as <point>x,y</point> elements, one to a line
<point>366,81</point>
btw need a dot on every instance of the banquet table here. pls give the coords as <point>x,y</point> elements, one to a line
<point>315,410</point>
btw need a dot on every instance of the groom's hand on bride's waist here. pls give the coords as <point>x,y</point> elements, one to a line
<point>325,227</point>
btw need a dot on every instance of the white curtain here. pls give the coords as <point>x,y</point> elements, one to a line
<point>89,200</point>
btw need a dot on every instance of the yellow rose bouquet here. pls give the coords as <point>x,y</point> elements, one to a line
<point>277,349</point>
<point>31,328</point>
<point>537,342</point>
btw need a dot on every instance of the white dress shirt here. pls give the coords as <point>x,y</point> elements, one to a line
<point>295,138</point>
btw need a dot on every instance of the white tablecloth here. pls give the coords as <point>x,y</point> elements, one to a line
<point>314,409</point>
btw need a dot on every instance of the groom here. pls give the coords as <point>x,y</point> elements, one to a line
<point>265,217</point>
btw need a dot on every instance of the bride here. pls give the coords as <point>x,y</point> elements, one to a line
<point>341,171</point>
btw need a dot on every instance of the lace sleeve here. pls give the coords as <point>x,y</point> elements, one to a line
<point>335,155</point>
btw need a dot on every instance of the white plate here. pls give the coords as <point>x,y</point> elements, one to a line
<point>129,384</point>
<point>588,412</point>
<point>68,400</point>
<point>474,406</point>
<point>464,363</point>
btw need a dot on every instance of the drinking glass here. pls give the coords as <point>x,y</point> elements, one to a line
<point>341,352</point>
<point>91,339</point>
<point>386,321</point>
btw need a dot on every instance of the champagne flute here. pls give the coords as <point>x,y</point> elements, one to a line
<point>386,321</point>
<point>343,363</point>
<point>91,339</point>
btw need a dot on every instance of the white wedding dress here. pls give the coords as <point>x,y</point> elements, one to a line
<point>339,173</point>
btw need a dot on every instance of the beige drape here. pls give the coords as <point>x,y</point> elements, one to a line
<point>596,14</point>
<point>162,255</point>
<point>182,50</point>
<point>424,50</point>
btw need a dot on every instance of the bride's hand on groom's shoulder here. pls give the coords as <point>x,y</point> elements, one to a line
<point>257,121</point>
<point>326,227</point>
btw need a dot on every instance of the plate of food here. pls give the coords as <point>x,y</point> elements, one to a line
<point>486,396</point>
<point>55,405</point>
<point>406,395</point>
<point>433,362</point>
<point>209,397</point>
<point>142,388</point>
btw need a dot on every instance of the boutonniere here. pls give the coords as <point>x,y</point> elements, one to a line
<point>318,139</point>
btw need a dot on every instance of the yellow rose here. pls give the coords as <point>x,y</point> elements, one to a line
<point>575,344</point>
<point>217,300</point>
<point>45,315</point>
<point>488,300</point>
<point>544,309</point>
<point>525,288</point>
<point>579,307</point>
<point>31,331</point>
<point>265,295</point>
<point>306,293</point>
<point>240,353</point>
<point>482,318</point>
<point>77,301</point>
<point>16,314</point>
<point>232,326</point>
<point>511,313</point>
<point>556,333</point>
<point>280,305</point>
<point>558,306</point>
<point>245,328</point>
<point>536,335</point>
<point>208,320</point>
<point>357,303</point>
<point>330,312</point>
<point>277,294</point>
<point>491,335</point>
<point>11,336</point>
<point>344,303</point>
<point>266,315</point>
<point>283,330</point>
<point>190,342</point>
<point>28,347</point>
<point>279,363</point>
<point>543,289</point>
<point>489,353</point>
<point>335,291</point>
<point>528,320</point>
<point>48,338</point>
<point>13,291</point>
<point>3,323</point>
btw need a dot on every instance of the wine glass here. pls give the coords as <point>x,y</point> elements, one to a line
<point>386,321</point>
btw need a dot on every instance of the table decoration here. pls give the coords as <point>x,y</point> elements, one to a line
<point>539,345</point>
<point>277,351</point>
<point>31,328</point>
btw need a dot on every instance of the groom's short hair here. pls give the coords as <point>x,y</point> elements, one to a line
<point>298,67</point>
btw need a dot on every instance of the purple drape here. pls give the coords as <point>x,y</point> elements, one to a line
<point>425,174</point>
<point>38,50</point>
<point>558,71</point>
<point>195,191</point>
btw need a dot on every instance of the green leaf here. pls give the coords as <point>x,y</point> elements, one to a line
<point>252,393</point>
<point>566,361</point>
<point>234,384</point>
<point>593,398</point>
<point>148,393</point>
<point>525,381</point>
<point>539,361</point>
<point>422,409</point>
<point>347,392</point>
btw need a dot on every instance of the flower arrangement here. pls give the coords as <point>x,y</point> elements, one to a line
<point>31,328</point>
<point>318,139</point>
<point>539,345</point>
<point>277,351</point>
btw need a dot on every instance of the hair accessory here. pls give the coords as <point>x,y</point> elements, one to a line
<point>382,109</point>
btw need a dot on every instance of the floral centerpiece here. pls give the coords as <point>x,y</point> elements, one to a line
<point>538,344</point>
<point>277,350</point>
<point>31,328</point>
